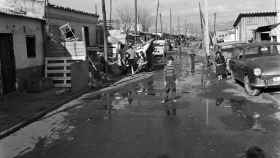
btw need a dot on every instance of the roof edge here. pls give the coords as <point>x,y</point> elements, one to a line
<point>250,14</point>
<point>72,10</point>
<point>21,16</point>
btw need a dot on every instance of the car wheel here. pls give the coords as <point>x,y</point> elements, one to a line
<point>249,89</point>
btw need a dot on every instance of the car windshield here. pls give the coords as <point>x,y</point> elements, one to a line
<point>261,51</point>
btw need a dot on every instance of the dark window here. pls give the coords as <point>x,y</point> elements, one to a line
<point>31,46</point>
<point>69,33</point>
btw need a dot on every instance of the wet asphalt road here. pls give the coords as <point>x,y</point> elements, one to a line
<point>132,123</point>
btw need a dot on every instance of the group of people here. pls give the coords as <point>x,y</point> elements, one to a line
<point>133,62</point>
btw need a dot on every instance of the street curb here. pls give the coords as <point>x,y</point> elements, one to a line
<point>39,115</point>
<point>271,98</point>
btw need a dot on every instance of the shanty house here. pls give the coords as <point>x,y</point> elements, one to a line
<point>246,24</point>
<point>82,23</point>
<point>21,50</point>
<point>268,33</point>
<point>70,34</point>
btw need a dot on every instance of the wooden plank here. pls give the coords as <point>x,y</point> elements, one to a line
<point>79,58</point>
<point>63,85</point>
<point>58,58</point>
<point>64,63</point>
<point>58,64</point>
<point>46,70</point>
<point>58,71</point>
<point>60,78</point>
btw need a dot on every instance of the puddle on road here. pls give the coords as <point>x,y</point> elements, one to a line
<point>123,98</point>
<point>52,127</point>
<point>49,129</point>
<point>238,114</point>
<point>220,113</point>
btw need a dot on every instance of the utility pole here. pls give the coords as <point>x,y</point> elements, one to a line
<point>206,31</point>
<point>110,11</point>
<point>46,3</point>
<point>178,25</point>
<point>105,32</point>
<point>275,5</point>
<point>136,17</point>
<point>215,21</point>
<point>185,30</point>
<point>161,29</point>
<point>46,26</point>
<point>206,42</point>
<point>96,10</point>
<point>170,21</point>
<point>157,16</point>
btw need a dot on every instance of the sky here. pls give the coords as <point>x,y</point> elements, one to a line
<point>186,10</point>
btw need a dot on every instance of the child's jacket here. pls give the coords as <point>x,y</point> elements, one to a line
<point>169,72</point>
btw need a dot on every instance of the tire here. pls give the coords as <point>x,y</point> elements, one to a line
<point>249,89</point>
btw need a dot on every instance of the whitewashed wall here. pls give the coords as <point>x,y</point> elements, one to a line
<point>20,27</point>
<point>248,24</point>
<point>59,17</point>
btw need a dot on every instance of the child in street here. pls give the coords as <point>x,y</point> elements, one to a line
<point>170,80</point>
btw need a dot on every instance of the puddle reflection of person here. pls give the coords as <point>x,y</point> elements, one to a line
<point>219,101</point>
<point>170,108</point>
<point>130,97</point>
<point>108,106</point>
<point>150,88</point>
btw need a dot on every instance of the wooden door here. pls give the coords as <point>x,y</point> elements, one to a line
<point>7,59</point>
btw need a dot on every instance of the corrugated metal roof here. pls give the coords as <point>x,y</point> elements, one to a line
<point>22,14</point>
<point>267,28</point>
<point>18,13</point>
<point>72,10</point>
<point>254,14</point>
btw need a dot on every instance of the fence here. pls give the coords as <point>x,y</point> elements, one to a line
<point>59,70</point>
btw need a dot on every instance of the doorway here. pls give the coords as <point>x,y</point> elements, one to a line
<point>86,35</point>
<point>265,37</point>
<point>7,63</point>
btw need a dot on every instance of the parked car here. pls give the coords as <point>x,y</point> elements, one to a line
<point>228,49</point>
<point>257,65</point>
<point>159,53</point>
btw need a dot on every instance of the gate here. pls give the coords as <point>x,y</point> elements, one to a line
<point>7,66</point>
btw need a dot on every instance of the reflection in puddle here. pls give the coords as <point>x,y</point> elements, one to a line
<point>219,101</point>
<point>124,97</point>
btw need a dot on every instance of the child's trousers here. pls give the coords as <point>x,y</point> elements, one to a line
<point>170,88</point>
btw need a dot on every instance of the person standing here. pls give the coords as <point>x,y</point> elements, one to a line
<point>150,56</point>
<point>170,80</point>
<point>220,65</point>
<point>125,63</point>
<point>192,60</point>
<point>141,62</point>
<point>132,62</point>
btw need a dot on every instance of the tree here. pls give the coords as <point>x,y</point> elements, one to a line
<point>126,17</point>
<point>145,19</point>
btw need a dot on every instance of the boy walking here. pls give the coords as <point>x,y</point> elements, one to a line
<point>170,80</point>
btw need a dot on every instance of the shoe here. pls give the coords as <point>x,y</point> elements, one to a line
<point>174,100</point>
<point>163,101</point>
<point>167,112</point>
<point>174,111</point>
